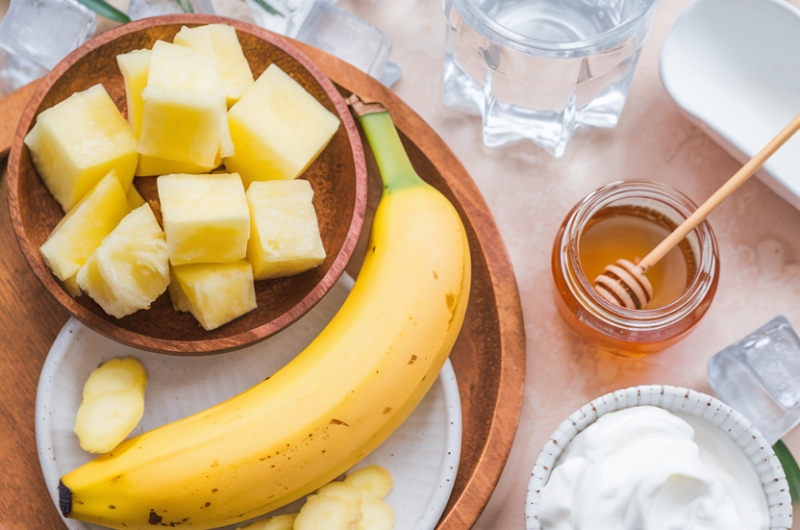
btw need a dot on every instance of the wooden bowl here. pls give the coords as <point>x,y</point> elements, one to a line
<point>338,176</point>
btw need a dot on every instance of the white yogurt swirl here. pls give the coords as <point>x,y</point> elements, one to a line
<point>642,469</point>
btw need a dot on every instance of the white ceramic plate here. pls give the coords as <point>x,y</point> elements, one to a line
<point>422,454</point>
<point>733,66</point>
<point>674,399</point>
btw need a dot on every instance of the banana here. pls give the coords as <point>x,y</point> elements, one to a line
<point>329,407</point>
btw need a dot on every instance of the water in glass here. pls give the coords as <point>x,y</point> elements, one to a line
<point>538,69</point>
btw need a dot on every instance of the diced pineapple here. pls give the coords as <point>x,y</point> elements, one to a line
<point>373,479</point>
<point>215,293</point>
<point>113,403</point>
<point>375,514</point>
<point>324,513</point>
<point>71,285</point>
<point>206,217</point>
<point>135,199</point>
<point>77,142</point>
<point>130,269</point>
<point>278,129</point>
<point>82,230</point>
<point>182,126</point>
<point>184,107</point>
<point>134,67</point>
<point>219,43</point>
<point>284,234</point>
<point>150,166</point>
<point>278,522</point>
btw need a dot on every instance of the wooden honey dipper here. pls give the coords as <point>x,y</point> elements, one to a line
<point>624,283</point>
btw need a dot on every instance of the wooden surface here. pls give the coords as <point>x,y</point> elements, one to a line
<point>489,356</point>
<point>338,177</point>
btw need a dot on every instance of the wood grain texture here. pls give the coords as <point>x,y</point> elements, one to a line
<point>489,355</point>
<point>338,177</point>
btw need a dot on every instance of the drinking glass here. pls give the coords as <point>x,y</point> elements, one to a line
<point>539,69</point>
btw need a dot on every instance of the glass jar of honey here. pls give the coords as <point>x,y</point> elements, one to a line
<point>626,220</point>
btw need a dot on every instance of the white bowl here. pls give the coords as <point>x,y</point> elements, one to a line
<point>733,66</point>
<point>422,454</point>
<point>673,399</point>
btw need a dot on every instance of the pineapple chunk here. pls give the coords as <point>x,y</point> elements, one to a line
<point>77,142</point>
<point>82,230</point>
<point>130,269</point>
<point>278,522</point>
<point>219,43</point>
<point>113,403</point>
<point>134,67</point>
<point>215,293</point>
<point>278,129</point>
<point>285,236</point>
<point>184,107</point>
<point>71,285</point>
<point>135,199</point>
<point>373,479</point>
<point>206,218</point>
<point>150,166</point>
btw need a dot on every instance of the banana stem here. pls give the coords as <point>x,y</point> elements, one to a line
<point>393,162</point>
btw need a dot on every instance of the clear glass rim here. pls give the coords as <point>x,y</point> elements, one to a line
<point>646,319</point>
<point>498,33</point>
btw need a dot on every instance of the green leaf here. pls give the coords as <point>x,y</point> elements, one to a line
<point>268,8</point>
<point>186,6</point>
<point>790,468</point>
<point>102,8</point>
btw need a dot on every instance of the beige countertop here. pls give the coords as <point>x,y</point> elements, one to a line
<point>529,193</point>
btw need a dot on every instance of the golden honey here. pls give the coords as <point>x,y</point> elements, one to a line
<point>627,219</point>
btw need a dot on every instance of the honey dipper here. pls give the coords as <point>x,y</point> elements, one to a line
<point>624,283</point>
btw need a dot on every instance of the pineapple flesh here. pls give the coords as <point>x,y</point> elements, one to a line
<point>284,233</point>
<point>214,293</point>
<point>130,269</point>
<point>278,129</point>
<point>134,67</point>
<point>184,107</point>
<point>77,142</point>
<point>219,43</point>
<point>82,230</point>
<point>206,218</point>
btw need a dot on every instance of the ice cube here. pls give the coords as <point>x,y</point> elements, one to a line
<point>139,9</point>
<point>16,72</point>
<point>346,36</point>
<point>281,16</point>
<point>45,31</point>
<point>760,377</point>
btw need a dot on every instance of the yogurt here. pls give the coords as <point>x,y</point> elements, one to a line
<point>644,468</point>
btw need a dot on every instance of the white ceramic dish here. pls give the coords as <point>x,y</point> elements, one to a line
<point>422,455</point>
<point>673,399</point>
<point>733,66</point>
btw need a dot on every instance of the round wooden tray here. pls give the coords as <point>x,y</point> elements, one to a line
<point>489,356</point>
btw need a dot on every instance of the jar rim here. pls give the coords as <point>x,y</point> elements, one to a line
<point>640,319</point>
<point>496,32</point>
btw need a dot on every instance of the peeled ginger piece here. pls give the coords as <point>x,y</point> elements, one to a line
<point>113,404</point>
<point>324,513</point>
<point>279,522</point>
<point>343,491</point>
<point>375,480</point>
<point>375,514</point>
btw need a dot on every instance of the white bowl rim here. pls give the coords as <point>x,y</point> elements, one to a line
<point>673,399</point>
<point>779,181</point>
